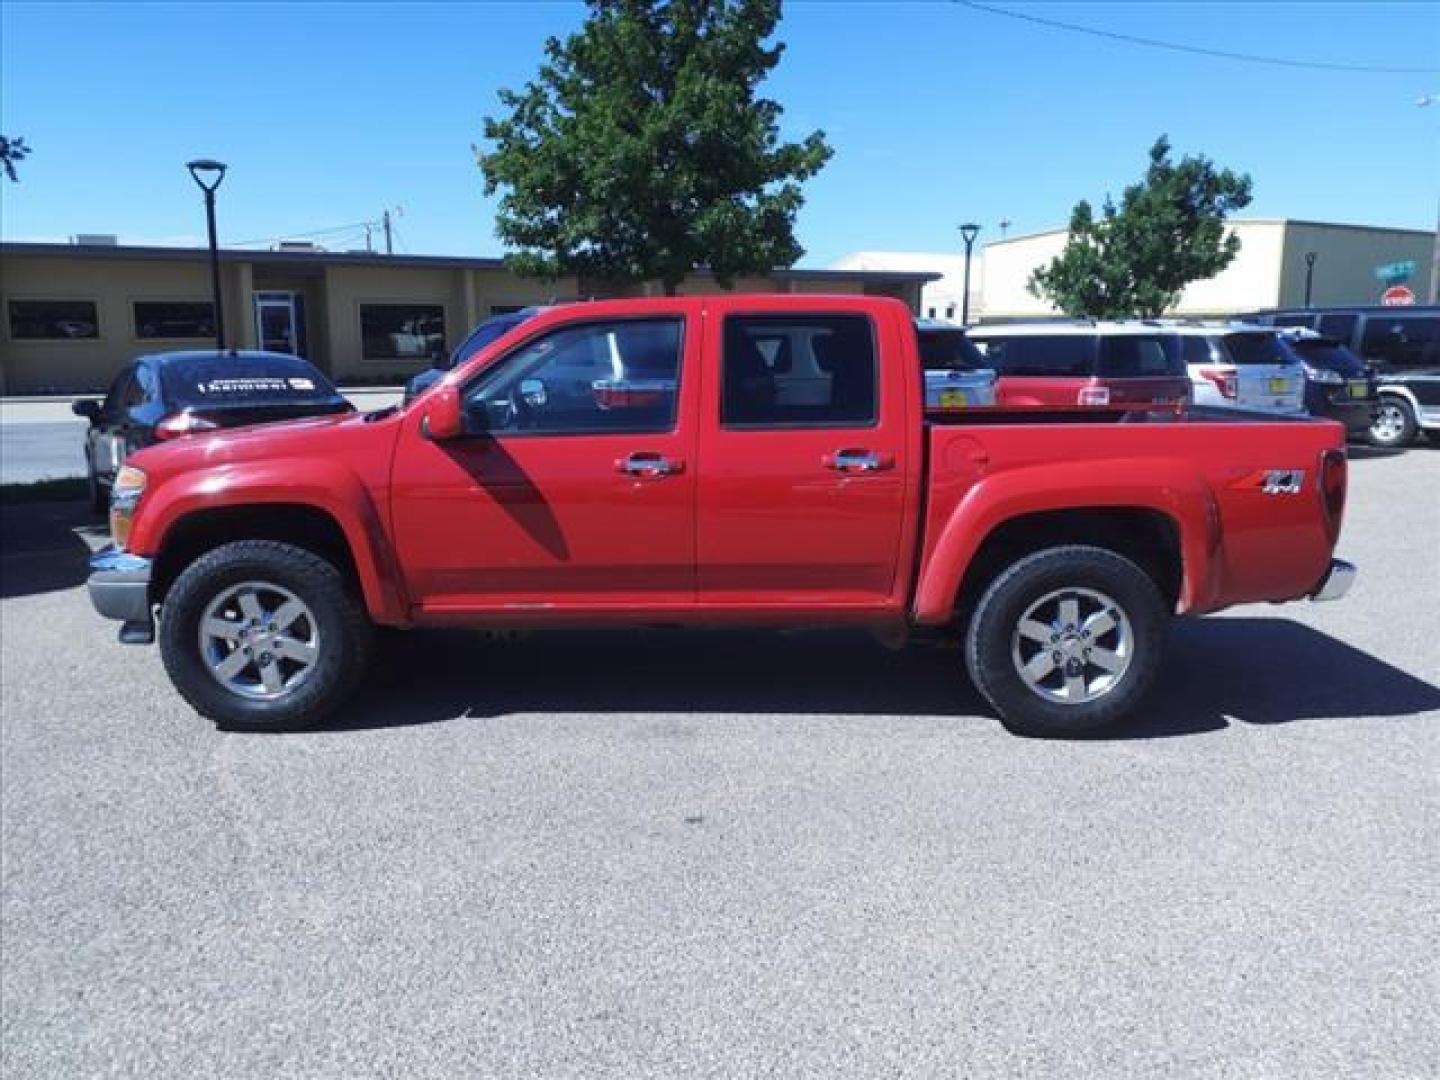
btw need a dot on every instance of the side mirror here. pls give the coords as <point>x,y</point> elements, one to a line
<point>88,408</point>
<point>444,419</point>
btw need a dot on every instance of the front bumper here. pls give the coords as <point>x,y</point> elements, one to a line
<point>119,585</point>
<point>1336,582</point>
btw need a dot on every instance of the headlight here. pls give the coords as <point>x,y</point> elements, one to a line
<point>1323,375</point>
<point>124,494</point>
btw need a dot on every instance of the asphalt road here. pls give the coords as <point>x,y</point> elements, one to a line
<point>44,450</point>
<point>732,855</point>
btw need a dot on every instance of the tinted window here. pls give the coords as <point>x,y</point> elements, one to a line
<point>1197,350</point>
<point>1257,348</point>
<point>1321,352</point>
<point>810,370</point>
<point>220,381</point>
<point>1293,319</point>
<point>601,377</point>
<point>402,331</point>
<point>177,319</point>
<point>1042,354</point>
<point>1402,340</point>
<point>1128,356</point>
<point>1337,324</point>
<point>948,350</point>
<point>53,319</point>
<point>115,396</point>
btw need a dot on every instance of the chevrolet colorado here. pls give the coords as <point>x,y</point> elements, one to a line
<point>760,461</point>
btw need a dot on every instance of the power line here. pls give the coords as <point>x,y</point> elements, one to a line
<point>355,226</point>
<point>1197,50</point>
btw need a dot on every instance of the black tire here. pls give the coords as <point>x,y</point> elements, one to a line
<point>993,638</point>
<point>1395,425</point>
<point>343,628</point>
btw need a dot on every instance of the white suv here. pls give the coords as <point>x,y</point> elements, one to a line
<point>1239,366</point>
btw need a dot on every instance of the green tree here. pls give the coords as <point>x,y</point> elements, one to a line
<point>1133,261</point>
<point>11,152</point>
<point>641,151</point>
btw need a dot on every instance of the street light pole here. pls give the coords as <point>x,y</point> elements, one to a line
<point>968,232</point>
<point>208,173</point>
<point>1310,258</point>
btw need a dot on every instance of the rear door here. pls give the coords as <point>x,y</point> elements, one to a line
<point>805,459</point>
<point>1266,376</point>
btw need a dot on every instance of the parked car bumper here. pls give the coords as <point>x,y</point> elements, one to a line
<point>119,585</point>
<point>1357,414</point>
<point>1336,582</point>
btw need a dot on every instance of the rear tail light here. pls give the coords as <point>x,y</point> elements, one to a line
<point>1334,471</point>
<point>184,423</point>
<point>1094,395</point>
<point>1225,381</point>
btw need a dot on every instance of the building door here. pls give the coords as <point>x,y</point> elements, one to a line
<point>279,322</point>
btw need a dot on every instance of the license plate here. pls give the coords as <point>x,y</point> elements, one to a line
<point>950,399</point>
<point>1279,386</point>
<point>1359,389</point>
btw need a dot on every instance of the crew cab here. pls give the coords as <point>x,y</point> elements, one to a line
<point>645,463</point>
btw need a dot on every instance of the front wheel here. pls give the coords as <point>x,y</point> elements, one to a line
<point>1067,641</point>
<point>260,635</point>
<point>1394,425</point>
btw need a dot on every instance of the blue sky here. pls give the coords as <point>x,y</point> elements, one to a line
<point>328,113</point>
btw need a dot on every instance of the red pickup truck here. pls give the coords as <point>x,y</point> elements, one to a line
<point>761,461</point>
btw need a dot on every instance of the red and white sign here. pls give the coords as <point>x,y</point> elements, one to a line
<point>1397,296</point>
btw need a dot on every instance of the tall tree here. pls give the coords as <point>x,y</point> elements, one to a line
<point>1134,260</point>
<point>641,151</point>
<point>11,152</point>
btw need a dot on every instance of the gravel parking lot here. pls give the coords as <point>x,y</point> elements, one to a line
<point>732,855</point>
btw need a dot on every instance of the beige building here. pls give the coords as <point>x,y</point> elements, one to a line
<point>940,298</point>
<point>1269,271</point>
<point>76,313</point>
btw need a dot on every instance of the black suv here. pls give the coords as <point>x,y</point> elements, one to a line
<point>1401,344</point>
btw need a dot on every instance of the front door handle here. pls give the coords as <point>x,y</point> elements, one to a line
<point>649,466</point>
<point>858,461</point>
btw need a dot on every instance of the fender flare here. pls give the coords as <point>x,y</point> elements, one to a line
<point>330,487</point>
<point>1167,487</point>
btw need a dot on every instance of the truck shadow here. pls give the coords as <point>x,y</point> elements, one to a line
<point>1219,671</point>
<point>43,546</point>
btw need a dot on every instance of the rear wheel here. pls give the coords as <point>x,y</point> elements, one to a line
<point>1394,424</point>
<point>261,635</point>
<point>1067,641</point>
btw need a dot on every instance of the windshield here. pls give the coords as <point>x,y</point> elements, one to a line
<point>491,329</point>
<point>223,381</point>
<point>948,350</point>
<point>1256,348</point>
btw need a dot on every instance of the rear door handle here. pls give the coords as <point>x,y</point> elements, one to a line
<point>858,461</point>
<point>649,465</point>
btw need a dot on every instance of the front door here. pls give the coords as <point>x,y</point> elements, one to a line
<point>804,477</point>
<point>575,487</point>
<point>277,322</point>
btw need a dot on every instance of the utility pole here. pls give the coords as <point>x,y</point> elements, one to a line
<point>389,245</point>
<point>369,242</point>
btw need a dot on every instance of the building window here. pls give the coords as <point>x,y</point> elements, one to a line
<point>931,314</point>
<point>174,319</point>
<point>950,312</point>
<point>64,320</point>
<point>402,331</point>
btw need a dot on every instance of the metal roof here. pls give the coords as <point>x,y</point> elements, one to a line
<point>381,261</point>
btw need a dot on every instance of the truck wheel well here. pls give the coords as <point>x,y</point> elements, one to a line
<point>1149,538</point>
<point>202,531</point>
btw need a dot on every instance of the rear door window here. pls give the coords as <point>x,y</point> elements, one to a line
<point>1257,348</point>
<point>1196,350</point>
<point>1056,355</point>
<point>1337,324</point>
<point>1402,341</point>
<point>799,371</point>
<point>1140,356</point>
